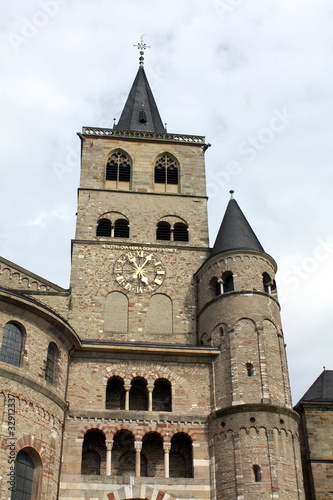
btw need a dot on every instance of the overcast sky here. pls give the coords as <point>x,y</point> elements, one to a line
<point>253,76</point>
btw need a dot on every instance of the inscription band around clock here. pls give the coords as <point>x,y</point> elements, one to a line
<point>139,271</point>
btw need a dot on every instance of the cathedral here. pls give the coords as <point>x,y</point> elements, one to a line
<point>161,372</point>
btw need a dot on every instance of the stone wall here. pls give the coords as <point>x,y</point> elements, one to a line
<point>317,448</point>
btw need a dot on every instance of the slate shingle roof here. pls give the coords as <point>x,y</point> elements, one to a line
<point>140,111</point>
<point>321,389</point>
<point>235,232</point>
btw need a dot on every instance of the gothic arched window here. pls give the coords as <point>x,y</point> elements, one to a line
<point>11,347</point>
<point>166,170</point>
<point>51,362</point>
<point>118,167</point>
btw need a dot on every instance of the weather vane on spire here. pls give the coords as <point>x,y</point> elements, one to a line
<point>142,47</point>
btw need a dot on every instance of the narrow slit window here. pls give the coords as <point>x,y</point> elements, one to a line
<point>51,362</point>
<point>257,474</point>
<point>249,369</point>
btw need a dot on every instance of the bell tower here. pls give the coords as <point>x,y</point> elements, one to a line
<point>141,227</point>
<point>253,428</point>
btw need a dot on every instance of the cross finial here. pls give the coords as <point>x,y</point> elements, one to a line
<point>142,47</point>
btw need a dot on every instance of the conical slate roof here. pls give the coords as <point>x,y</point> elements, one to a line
<point>140,111</point>
<point>235,232</point>
<point>321,389</point>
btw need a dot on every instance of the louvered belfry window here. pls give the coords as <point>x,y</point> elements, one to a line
<point>166,170</point>
<point>180,232</point>
<point>103,228</point>
<point>121,228</point>
<point>163,231</point>
<point>118,167</point>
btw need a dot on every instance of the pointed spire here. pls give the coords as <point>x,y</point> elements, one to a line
<point>235,232</point>
<point>140,111</point>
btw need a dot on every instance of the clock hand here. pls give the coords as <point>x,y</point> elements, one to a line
<point>133,261</point>
<point>148,258</point>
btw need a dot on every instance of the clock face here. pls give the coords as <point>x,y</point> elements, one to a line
<point>139,271</point>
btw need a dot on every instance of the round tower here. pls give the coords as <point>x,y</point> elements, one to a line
<point>253,428</point>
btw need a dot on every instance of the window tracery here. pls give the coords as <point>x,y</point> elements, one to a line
<point>118,167</point>
<point>166,172</point>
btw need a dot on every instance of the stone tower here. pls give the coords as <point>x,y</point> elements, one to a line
<point>134,412</point>
<point>253,429</point>
<point>161,372</point>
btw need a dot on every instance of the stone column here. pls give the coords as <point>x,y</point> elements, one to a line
<point>138,448</point>
<point>127,389</point>
<point>150,398</point>
<point>109,445</point>
<point>166,448</point>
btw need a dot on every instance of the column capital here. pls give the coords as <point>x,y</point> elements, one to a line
<point>166,447</point>
<point>109,445</point>
<point>138,445</point>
